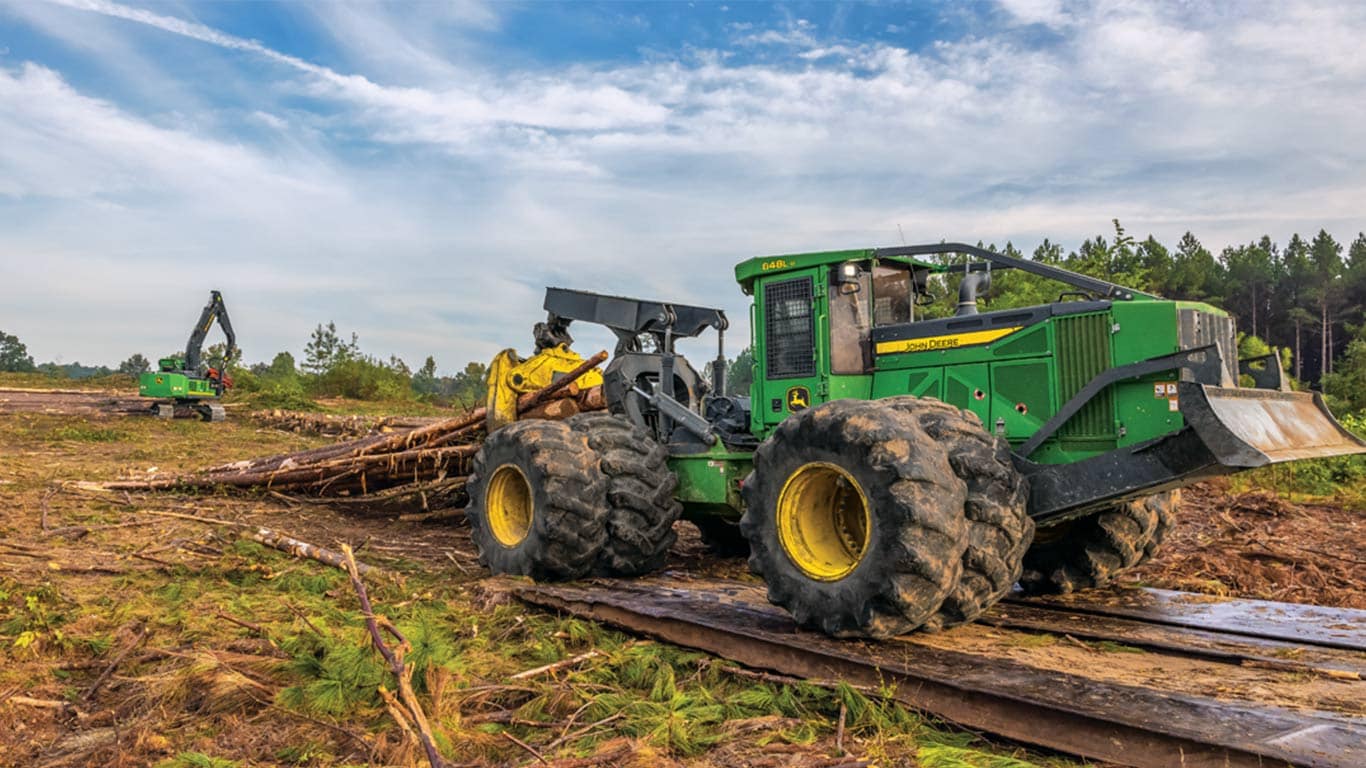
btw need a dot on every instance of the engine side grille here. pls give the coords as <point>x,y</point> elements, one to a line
<point>1200,329</point>
<point>1083,352</point>
<point>790,330</point>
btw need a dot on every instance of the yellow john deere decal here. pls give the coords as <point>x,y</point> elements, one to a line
<point>948,341</point>
<point>798,398</point>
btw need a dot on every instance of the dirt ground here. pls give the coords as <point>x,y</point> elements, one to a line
<point>135,635</point>
<point>71,402</point>
<point>1255,544</point>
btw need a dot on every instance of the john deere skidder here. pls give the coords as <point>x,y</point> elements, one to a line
<point>890,472</point>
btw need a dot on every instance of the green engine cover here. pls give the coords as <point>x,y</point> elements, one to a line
<point>169,384</point>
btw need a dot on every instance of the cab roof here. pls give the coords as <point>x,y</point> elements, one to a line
<point>746,272</point>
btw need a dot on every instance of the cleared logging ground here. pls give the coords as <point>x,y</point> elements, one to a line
<point>130,637</point>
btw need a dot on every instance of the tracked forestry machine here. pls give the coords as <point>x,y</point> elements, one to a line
<point>888,472</point>
<point>185,386</point>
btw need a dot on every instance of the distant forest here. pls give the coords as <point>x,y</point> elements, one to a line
<point>1307,297</point>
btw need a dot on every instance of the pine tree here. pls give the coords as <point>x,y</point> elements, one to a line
<point>1326,256</point>
<point>424,381</point>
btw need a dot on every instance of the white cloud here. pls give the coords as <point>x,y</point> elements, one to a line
<point>422,197</point>
<point>1047,12</point>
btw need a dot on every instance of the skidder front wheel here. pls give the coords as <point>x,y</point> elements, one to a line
<point>640,494</point>
<point>855,519</point>
<point>1091,551</point>
<point>537,502</point>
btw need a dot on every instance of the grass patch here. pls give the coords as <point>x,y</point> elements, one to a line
<point>1041,640</point>
<point>952,756</point>
<point>1110,646</point>
<point>198,760</point>
<point>87,434</point>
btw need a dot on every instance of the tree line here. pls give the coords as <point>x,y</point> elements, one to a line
<point>333,366</point>
<point>1307,297</point>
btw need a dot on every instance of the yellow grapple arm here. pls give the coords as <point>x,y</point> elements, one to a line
<point>510,377</point>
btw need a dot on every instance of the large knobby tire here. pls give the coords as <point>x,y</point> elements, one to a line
<point>1091,551</point>
<point>538,502</point>
<point>855,519</point>
<point>642,508</point>
<point>999,527</point>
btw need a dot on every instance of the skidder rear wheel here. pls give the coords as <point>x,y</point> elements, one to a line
<point>1091,551</point>
<point>855,519</point>
<point>640,494</point>
<point>999,527</point>
<point>537,502</point>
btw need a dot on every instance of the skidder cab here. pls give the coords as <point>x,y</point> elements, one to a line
<point>893,468</point>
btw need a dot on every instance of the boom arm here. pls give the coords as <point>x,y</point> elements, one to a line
<point>214,310</point>
<point>1097,287</point>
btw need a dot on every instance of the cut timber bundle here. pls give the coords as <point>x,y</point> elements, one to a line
<point>429,460</point>
<point>332,425</point>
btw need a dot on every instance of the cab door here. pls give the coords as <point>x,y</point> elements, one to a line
<point>787,359</point>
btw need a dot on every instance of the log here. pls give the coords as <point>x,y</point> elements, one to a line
<point>303,475</point>
<point>441,450</point>
<point>311,551</point>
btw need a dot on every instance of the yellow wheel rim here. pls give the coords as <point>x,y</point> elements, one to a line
<point>823,521</point>
<point>509,505</point>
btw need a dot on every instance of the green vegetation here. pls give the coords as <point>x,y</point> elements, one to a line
<point>1343,476</point>
<point>14,356</point>
<point>1305,298</point>
<point>334,368</point>
<point>201,690</point>
<point>86,433</point>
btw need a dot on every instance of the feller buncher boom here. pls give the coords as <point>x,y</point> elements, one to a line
<point>889,471</point>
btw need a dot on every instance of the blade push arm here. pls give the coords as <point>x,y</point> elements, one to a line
<point>1095,286</point>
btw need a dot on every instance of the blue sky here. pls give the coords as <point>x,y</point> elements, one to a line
<point>418,172</point>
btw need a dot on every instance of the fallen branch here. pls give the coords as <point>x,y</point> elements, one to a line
<point>39,703</point>
<point>394,657</point>
<point>113,665</point>
<point>311,551</point>
<point>527,747</point>
<point>584,731</point>
<point>247,625</point>
<point>839,730</point>
<point>561,664</point>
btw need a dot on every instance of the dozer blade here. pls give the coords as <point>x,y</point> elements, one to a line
<point>1255,427</point>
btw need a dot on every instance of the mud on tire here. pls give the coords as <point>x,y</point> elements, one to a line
<point>999,527</point>
<point>561,498</point>
<point>1091,551</point>
<point>915,535</point>
<point>640,494</point>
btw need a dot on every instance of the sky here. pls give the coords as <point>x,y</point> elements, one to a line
<point>417,173</point>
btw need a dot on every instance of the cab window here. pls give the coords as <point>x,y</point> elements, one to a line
<point>851,348</point>
<point>893,294</point>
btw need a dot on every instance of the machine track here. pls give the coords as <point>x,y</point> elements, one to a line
<point>1142,678</point>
